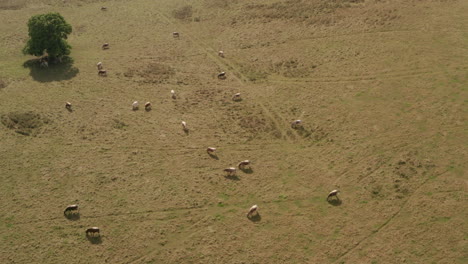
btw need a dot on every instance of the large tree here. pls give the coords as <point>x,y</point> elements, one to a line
<point>48,34</point>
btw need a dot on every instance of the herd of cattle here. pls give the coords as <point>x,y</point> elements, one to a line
<point>230,171</point>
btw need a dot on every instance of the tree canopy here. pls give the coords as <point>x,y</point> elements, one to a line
<point>48,33</point>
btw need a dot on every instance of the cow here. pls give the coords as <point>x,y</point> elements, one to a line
<point>99,66</point>
<point>222,75</point>
<point>333,193</point>
<point>44,62</point>
<point>175,34</point>
<point>148,106</point>
<point>68,106</point>
<point>102,73</point>
<point>210,150</point>
<point>221,53</point>
<point>236,97</point>
<point>71,209</point>
<point>105,46</point>
<point>135,106</point>
<point>296,123</point>
<point>231,171</point>
<point>252,210</point>
<point>92,231</point>
<point>184,126</point>
<point>173,94</point>
<point>243,164</point>
<point>104,8</point>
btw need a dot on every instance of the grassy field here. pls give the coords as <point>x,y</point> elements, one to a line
<point>381,87</point>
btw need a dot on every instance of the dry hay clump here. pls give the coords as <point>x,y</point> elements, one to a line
<point>183,13</point>
<point>12,4</point>
<point>153,73</point>
<point>314,11</point>
<point>25,123</point>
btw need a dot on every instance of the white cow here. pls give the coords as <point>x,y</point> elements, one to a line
<point>333,193</point>
<point>135,106</point>
<point>184,126</point>
<point>296,123</point>
<point>252,210</point>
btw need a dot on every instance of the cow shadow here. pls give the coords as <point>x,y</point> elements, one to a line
<point>232,177</point>
<point>255,218</point>
<point>73,217</point>
<point>187,132</point>
<point>95,240</point>
<point>214,156</point>
<point>335,202</point>
<point>247,171</point>
<point>302,131</point>
<point>59,71</point>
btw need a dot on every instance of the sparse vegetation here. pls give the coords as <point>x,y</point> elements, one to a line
<point>379,85</point>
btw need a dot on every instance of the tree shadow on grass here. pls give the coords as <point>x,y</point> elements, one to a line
<point>54,72</point>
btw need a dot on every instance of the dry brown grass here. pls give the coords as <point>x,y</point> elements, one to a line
<point>380,87</point>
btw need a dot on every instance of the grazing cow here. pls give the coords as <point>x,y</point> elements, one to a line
<point>210,150</point>
<point>231,171</point>
<point>173,94</point>
<point>236,97</point>
<point>71,209</point>
<point>222,75</point>
<point>333,193</point>
<point>221,53</point>
<point>184,126</point>
<point>135,106</point>
<point>243,164</point>
<point>102,73</point>
<point>252,210</point>
<point>105,46</point>
<point>99,66</point>
<point>68,105</point>
<point>44,62</point>
<point>92,231</point>
<point>296,123</point>
<point>175,34</point>
<point>104,8</point>
<point>148,106</point>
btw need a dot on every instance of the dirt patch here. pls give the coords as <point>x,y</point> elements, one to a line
<point>26,123</point>
<point>153,73</point>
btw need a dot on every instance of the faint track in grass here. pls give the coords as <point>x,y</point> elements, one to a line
<point>409,73</point>
<point>387,222</point>
<point>279,122</point>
